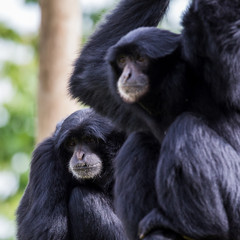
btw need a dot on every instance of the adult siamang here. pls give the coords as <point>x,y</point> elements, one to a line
<point>197,182</point>
<point>69,194</point>
<point>197,73</point>
<point>89,81</point>
<point>201,151</point>
<point>145,69</point>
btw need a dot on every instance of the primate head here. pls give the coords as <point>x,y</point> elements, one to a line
<point>87,143</point>
<point>138,60</point>
<point>84,163</point>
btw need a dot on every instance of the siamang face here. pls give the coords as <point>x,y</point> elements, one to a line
<point>141,60</point>
<point>133,82</point>
<point>84,163</point>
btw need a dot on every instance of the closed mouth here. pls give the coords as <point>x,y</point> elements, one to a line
<point>87,167</point>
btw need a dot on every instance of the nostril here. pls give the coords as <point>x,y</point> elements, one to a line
<point>80,155</point>
<point>127,76</point>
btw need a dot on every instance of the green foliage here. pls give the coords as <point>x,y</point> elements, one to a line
<point>93,18</point>
<point>18,134</point>
<point>8,33</point>
<point>31,1</point>
<point>96,16</point>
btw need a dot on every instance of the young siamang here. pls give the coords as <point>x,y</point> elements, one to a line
<point>197,73</point>
<point>69,194</point>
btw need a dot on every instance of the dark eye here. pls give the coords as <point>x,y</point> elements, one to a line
<point>121,60</point>
<point>88,140</point>
<point>140,58</point>
<point>71,142</point>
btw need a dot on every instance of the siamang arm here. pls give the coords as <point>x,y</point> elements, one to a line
<point>42,213</point>
<point>135,169</point>
<point>88,206</point>
<point>89,81</point>
<point>197,183</point>
<point>211,36</point>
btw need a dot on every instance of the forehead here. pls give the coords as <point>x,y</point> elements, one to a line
<point>127,49</point>
<point>81,124</point>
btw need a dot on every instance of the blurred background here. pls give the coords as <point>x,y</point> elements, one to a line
<point>39,41</point>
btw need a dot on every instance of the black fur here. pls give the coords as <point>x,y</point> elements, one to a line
<point>166,72</point>
<point>198,173</point>
<point>195,196</point>
<point>56,205</point>
<point>136,180</point>
<point>200,76</point>
<point>89,81</point>
<point>211,45</point>
<point>197,181</point>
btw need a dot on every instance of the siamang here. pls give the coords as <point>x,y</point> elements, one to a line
<point>144,73</point>
<point>69,194</point>
<point>192,178</point>
<point>89,81</point>
<point>197,179</point>
<point>145,68</point>
<point>197,73</point>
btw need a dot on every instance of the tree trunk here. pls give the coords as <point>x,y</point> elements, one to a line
<point>59,42</point>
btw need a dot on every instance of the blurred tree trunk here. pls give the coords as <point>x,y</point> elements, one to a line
<point>59,42</point>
